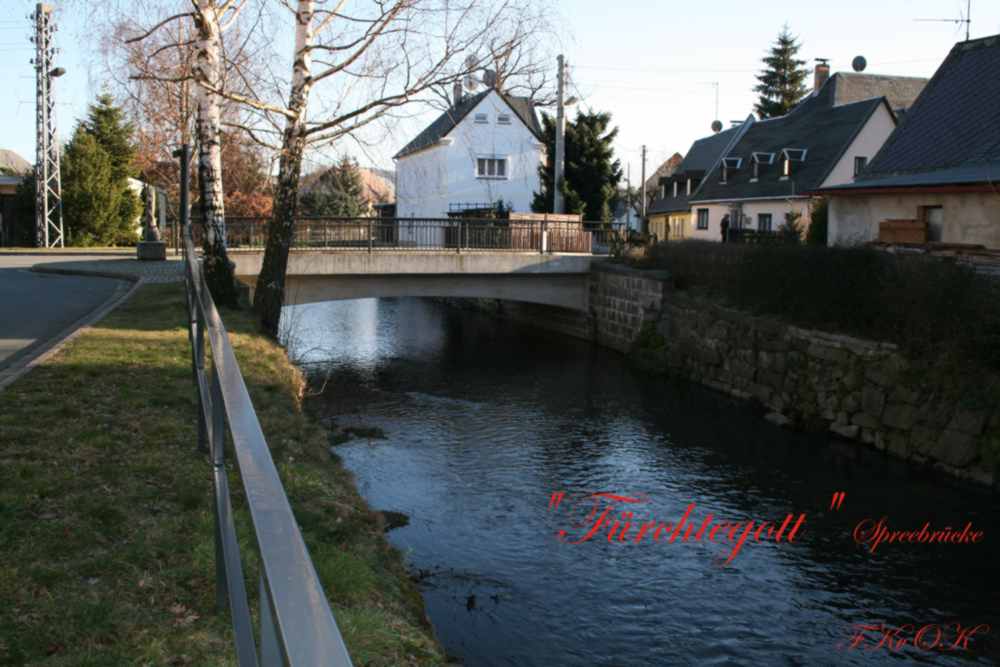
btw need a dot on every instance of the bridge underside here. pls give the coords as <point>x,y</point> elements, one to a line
<point>564,291</point>
<point>553,280</point>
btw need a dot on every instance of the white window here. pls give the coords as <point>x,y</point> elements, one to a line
<point>689,187</point>
<point>482,118</point>
<point>675,188</point>
<point>503,119</point>
<point>491,167</point>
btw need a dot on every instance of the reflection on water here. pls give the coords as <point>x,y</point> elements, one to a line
<point>485,420</point>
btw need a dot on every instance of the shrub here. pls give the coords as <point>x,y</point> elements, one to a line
<point>816,234</point>
<point>930,307</point>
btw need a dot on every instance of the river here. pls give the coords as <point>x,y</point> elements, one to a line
<point>485,420</point>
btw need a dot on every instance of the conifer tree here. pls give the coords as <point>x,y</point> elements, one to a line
<point>782,82</point>
<point>106,123</point>
<point>99,206</point>
<point>93,198</point>
<point>592,173</point>
<point>338,192</point>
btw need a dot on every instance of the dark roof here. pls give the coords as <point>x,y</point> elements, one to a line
<point>13,164</point>
<point>700,158</point>
<point>951,134</point>
<point>825,132</point>
<point>522,106</point>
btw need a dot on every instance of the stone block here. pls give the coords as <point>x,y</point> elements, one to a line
<point>872,400</point>
<point>954,448</point>
<point>900,415</point>
<point>828,353</point>
<point>903,394</point>
<point>896,442</point>
<point>968,421</point>
<point>866,420</point>
<point>151,251</point>
<point>777,418</point>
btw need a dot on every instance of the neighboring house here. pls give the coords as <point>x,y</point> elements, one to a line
<point>670,212</point>
<point>376,187</point>
<point>625,214</point>
<point>13,169</point>
<point>941,166</point>
<point>773,166</point>
<point>669,166</point>
<point>485,148</point>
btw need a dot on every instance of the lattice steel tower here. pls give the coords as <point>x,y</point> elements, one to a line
<point>48,189</point>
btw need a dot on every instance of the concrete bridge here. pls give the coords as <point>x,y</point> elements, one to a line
<point>328,274</point>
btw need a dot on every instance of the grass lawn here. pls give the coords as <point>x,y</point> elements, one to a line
<point>106,529</point>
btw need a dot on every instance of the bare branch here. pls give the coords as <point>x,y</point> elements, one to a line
<point>157,27</point>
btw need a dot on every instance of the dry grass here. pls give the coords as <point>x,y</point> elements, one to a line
<point>106,547</point>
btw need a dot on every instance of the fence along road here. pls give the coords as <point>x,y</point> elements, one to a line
<point>297,627</point>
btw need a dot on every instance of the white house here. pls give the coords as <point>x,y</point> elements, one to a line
<point>484,149</point>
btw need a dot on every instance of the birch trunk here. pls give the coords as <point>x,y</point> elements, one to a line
<point>208,72</point>
<point>270,291</point>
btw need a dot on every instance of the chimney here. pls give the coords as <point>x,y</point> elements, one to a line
<point>822,73</point>
<point>456,93</point>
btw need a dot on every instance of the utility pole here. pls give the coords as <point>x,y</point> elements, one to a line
<point>628,196</point>
<point>558,206</point>
<point>643,223</point>
<point>48,188</point>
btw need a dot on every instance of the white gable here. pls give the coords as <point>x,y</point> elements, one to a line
<point>451,172</point>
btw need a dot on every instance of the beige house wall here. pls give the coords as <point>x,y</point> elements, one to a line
<point>866,145</point>
<point>968,217</point>
<point>776,207</point>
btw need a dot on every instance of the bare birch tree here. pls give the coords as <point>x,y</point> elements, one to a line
<point>199,70</point>
<point>364,61</point>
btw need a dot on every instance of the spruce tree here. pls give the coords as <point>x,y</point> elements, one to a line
<point>782,82</point>
<point>106,123</point>
<point>92,195</point>
<point>592,174</point>
<point>338,192</point>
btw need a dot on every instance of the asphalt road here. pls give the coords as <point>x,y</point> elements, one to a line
<point>34,307</point>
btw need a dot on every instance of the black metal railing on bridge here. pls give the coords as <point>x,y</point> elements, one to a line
<point>376,234</point>
<point>297,626</point>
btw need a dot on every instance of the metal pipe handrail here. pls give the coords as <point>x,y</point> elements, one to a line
<point>297,626</point>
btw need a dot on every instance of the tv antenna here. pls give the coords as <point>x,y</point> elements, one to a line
<point>967,19</point>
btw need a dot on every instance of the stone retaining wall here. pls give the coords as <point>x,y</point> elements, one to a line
<point>860,390</point>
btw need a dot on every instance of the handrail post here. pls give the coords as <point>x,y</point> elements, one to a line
<point>370,240</point>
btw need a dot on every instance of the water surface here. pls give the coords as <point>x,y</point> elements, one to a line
<point>485,420</point>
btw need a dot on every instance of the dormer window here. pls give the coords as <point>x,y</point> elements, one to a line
<point>675,189</point>
<point>503,119</point>
<point>481,119</point>
<point>689,187</point>
<point>790,155</point>
<point>757,159</point>
<point>728,164</point>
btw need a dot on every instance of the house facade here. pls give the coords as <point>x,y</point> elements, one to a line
<point>484,149</point>
<point>670,211</point>
<point>773,167</point>
<point>939,169</point>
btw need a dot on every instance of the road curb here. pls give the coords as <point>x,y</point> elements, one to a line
<point>45,350</point>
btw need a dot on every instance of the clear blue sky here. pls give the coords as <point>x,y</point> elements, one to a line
<point>650,63</point>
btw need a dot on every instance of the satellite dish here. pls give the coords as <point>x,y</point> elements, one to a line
<point>859,64</point>
<point>716,126</point>
<point>470,82</point>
